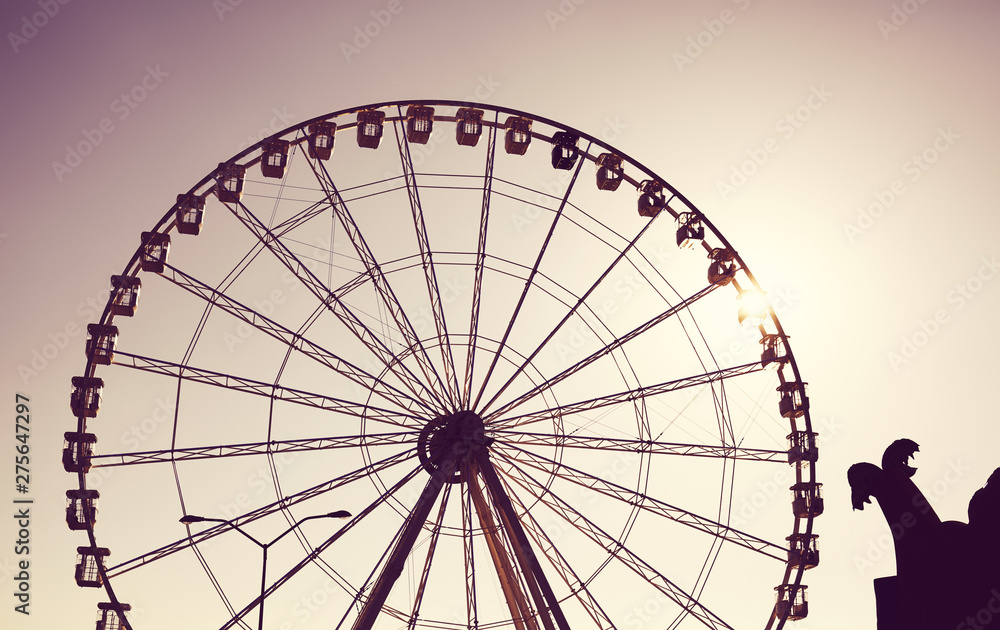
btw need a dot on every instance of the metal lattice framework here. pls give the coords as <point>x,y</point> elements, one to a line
<point>527,391</point>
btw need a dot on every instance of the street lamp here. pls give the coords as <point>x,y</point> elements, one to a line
<point>187,519</point>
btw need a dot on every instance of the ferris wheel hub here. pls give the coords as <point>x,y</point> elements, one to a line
<point>461,435</point>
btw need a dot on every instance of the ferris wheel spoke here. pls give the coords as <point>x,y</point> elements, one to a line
<point>112,460</point>
<point>598,354</point>
<point>267,390</point>
<point>576,587</point>
<point>617,550</point>
<point>300,218</point>
<point>319,549</point>
<point>291,338</point>
<point>427,261</point>
<point>527,285</point>
<point>572,311</point>
<point>653,447</point>
<point>626,396</point>
<point>332,302</point>
<point>651,504</point>
<point>360,474</point>
<point>379,281</point>
<point>480,265</point>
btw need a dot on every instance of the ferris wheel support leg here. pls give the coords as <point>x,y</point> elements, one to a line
<point>547,602</point>
<point>397,560</point>
<point>519,610</point>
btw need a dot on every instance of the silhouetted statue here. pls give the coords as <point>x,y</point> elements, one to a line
<point>947,573</point>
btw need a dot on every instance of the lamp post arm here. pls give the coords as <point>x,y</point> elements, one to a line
<point>294,525</point>
<point>232,525</point>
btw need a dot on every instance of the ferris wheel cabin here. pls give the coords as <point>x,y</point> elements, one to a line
<point>274,159</point>
<point>101,343</point>
<point>89,562</point>
<point>81,508</point>
<point>792,601</point>
<point>652,199</point>
<point>690,230</point>
<point>419,123</point>
<point>609,171</point>
<point>807,499</point>
<point>78,448</point>
<point>155,248</point>
<point>190,214</point>
<point>803,551</point>
<point>564,150</point>
<point>229,182</point>
<point>468,126</point>
<point>370,123</point>
<point>85,401</point>
<point>517,135</point>
<point>793,401</point>
<point>321,137</point>
<point>109,616</point>
<point>125,290</point>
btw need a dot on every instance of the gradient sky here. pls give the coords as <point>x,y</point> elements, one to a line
<point>855,105</point>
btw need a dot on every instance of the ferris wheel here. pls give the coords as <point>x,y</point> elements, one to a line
<point>438,364</point>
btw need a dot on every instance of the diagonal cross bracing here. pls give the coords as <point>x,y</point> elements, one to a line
<point>260,388</point>
<point>658,507</point>
<point>291,339</point>
<point>339,482</point>
<point>332,302</point>
<point>619,552</point>
<point>477,284</point>
<point>603,352</point>
<point>427,262</point>
<point>107,460</point>
<point>629,395</point>
<point>378,279</point>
